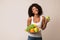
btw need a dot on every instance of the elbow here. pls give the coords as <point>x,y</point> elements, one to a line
<point>43,27</point>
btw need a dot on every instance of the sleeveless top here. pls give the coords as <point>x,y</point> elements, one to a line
<point>39,25</point>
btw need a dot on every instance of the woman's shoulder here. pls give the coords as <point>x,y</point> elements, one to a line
<point>29,18</point>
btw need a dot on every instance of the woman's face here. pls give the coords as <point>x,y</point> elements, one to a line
<point>34,10</point>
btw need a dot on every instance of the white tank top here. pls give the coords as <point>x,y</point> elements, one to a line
<point>39,25</point>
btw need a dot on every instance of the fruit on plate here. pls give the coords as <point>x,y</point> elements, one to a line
<point>36,29</point>
<point>31,31</point>
<point>32,28</point>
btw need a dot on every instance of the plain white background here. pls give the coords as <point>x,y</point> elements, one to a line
<point>14,14</point>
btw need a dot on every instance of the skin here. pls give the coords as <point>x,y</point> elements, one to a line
<point>36,18</point>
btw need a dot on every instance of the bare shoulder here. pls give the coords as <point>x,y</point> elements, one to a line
<point>29,19</point>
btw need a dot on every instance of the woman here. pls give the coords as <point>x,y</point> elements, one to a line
<point>35,12</point>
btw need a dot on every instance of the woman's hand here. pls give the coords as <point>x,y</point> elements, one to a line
<point>39,29</point>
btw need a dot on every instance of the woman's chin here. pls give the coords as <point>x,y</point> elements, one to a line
<point>35,13</point>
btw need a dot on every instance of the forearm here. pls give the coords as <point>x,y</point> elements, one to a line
<point>44,25</point>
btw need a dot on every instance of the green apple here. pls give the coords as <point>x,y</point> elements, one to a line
<point>36,29</point>
<point>31,26</point>
<point>48,18</point>
<point>27,29</point>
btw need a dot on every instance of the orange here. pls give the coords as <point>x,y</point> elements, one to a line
<point>32,30</point>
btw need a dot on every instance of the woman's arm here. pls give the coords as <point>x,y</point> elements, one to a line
<point>44,23</point>
<point>28,21</point>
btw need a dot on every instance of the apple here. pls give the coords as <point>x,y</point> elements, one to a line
<point>48,18</point>
<point>30,27</point>
<point>36,29</point>
<point>27,29</point>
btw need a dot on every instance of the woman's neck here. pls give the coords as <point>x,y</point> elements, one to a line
<point>36,16</point>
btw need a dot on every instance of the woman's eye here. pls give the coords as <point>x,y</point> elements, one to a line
<point>36,10</point>
<point>32,9</point>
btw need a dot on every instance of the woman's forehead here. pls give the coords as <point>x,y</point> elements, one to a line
<point>34,7</point>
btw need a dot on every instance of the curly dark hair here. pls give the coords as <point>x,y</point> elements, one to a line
<point>30,13</point>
